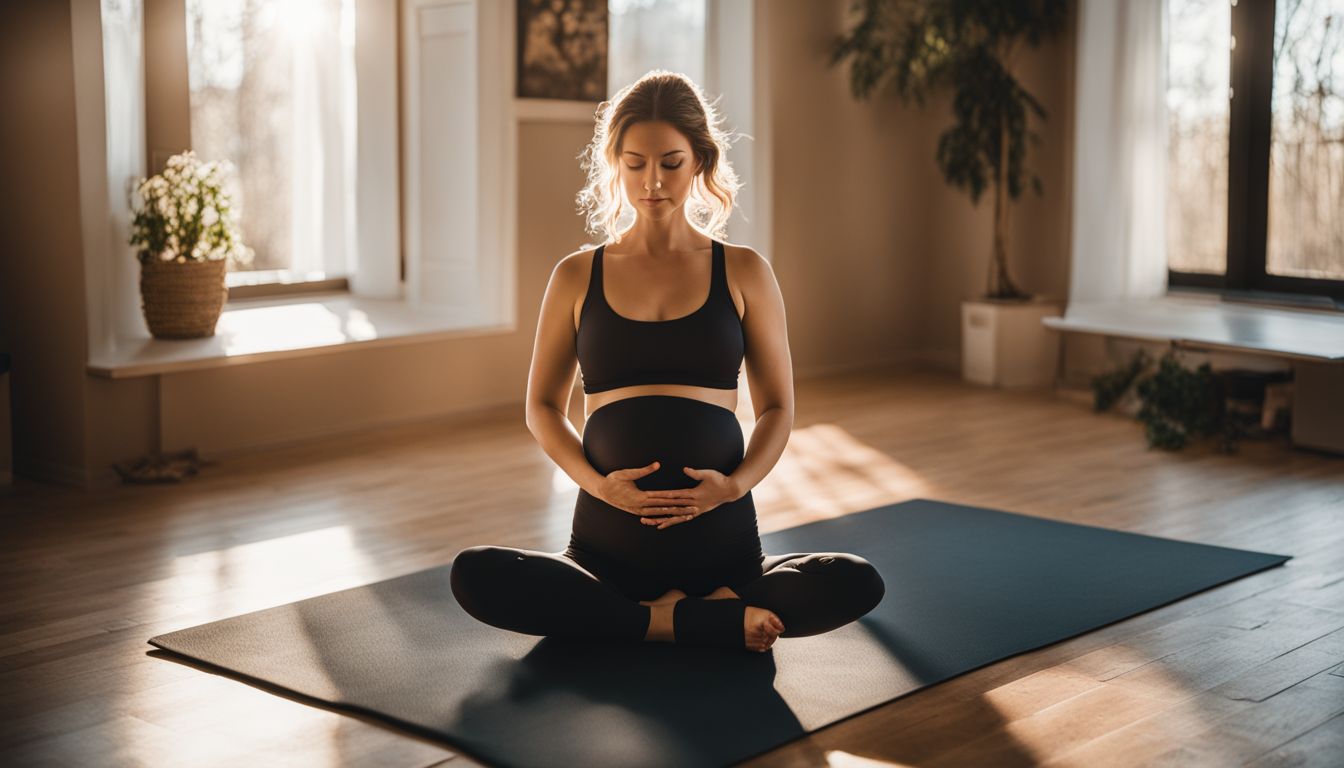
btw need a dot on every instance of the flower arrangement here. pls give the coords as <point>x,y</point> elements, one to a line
<point>184,214</point>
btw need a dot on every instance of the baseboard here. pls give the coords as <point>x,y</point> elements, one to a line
<point>293,439</point>
<point>67,475</point>
<point>910,359</point>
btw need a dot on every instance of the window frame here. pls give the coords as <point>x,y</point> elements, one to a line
<point>1249,140</point>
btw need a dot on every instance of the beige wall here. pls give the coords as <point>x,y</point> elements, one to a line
<point>42,316</point>
<point>873,252</point>
<point>851,201</point>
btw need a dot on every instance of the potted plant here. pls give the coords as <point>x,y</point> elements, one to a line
<point>968,47</point>
<point>186,232</point>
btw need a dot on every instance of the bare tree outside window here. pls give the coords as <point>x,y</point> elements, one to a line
<point>1198,125</point>
<point>272,91</point>
<point>1306,177</point>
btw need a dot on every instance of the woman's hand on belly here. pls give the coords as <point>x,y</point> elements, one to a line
<point>619,490</point>
<point>714,488</point>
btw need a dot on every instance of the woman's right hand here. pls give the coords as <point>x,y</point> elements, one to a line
<point>619,490</point>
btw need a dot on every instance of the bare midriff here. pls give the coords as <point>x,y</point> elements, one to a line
<point>724,398</point>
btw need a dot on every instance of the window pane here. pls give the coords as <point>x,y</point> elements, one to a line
<point>648,34</point>
<point>272,91</point>
<point>1306,166</point>
<point>1198,83</point>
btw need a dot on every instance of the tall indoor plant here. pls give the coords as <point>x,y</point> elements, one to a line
<point>967,47</point>
<point>186,232</point>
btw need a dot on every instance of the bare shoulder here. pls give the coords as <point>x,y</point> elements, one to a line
<point>575,265</point>
<point>748,270</point>
<point>744,256</point>
<point>751,279</point>
<point>569,280</point>
<point>569,277</point>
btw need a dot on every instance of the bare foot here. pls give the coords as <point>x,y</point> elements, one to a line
<point>722,593</point>
<point>761,627</point>
<point>671,596</point>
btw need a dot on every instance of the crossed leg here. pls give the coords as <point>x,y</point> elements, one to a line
<point>544,593</point>
<point>814,592</point>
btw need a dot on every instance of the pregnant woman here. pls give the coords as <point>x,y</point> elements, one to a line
<point>659,318</point>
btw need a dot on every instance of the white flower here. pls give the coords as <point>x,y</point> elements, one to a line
<point>188,190</point>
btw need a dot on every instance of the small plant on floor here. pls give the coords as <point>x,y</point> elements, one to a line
<point>1108,388</point>
<point>1180,404</point>
<point>1177,404</point>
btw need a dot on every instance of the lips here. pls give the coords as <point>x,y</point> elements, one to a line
<point>652,199</point>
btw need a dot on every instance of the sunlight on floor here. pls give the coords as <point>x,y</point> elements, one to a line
<point>825,472</point>
<point>222,582</point>
<point>836,758</point>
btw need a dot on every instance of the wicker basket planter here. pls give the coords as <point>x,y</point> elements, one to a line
<point>182,300</point>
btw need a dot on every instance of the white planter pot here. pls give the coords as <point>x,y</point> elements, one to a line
<point>1004,343</point>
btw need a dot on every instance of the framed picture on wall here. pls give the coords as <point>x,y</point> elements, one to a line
<point>562,49</point>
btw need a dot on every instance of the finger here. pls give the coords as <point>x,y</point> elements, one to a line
<point>657,519</point>
<point>635,471</point>
<point>670,501</point>
<point>669,495</point>
<point>678,510</point>
<point>678,520</point>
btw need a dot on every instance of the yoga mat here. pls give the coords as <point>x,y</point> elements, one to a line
<point>966,587</point>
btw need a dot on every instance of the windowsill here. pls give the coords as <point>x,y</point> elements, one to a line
<point>1288,301</point>
<point>1203,321</point>
<point>259,330</point>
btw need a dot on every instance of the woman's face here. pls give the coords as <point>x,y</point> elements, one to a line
<point>654,152</point>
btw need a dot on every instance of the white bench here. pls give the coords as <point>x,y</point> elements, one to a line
<point>1311,340</point>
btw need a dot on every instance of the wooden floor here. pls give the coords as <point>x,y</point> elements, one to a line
<point>1250,672</point>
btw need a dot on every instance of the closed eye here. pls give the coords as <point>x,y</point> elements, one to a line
<point>668,167</point>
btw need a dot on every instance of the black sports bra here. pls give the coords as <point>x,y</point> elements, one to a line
<point>704,348</point>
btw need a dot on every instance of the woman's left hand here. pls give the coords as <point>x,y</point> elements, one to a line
<point>714,488</point>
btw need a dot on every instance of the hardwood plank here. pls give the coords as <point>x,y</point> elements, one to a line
<point>1321,746</point>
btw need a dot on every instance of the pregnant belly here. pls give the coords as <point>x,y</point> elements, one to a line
<point>677,432</point>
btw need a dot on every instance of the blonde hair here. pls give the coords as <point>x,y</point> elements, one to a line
<point>671,97</point>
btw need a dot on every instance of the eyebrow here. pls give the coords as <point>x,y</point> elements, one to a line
<point>665,154</point>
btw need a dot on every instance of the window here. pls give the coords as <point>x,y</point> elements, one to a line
<point>1256,145</point>
<point>648,34</point>
<point>1198,68</point>
<point>272,90</point>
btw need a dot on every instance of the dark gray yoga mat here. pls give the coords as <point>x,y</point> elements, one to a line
<point>965,587</point>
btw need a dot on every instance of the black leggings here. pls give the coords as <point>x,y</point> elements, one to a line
<point>593,588</point>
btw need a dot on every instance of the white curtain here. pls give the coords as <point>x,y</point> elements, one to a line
<point>1120,152</point>
<point>323,139</point>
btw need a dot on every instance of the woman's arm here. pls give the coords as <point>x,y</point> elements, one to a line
<point>769,367</point>
<point>551,378</point>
